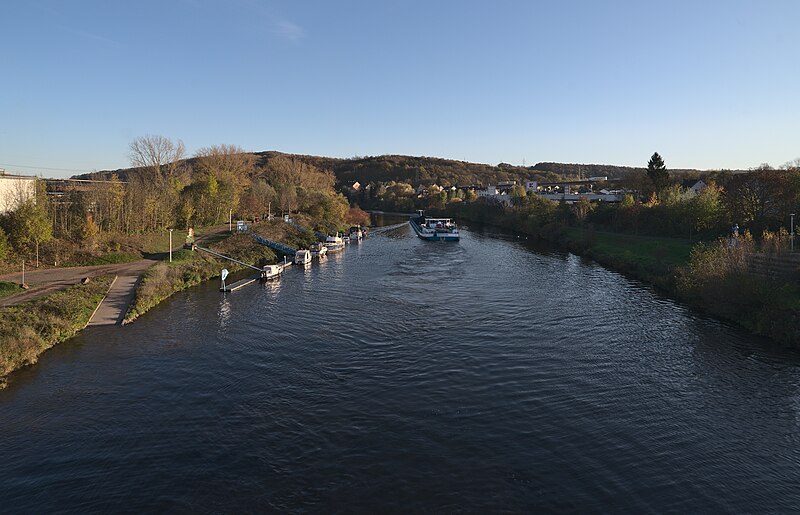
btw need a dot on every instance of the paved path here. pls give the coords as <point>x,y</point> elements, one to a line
<point>114,306</point>
<point>42,282</point>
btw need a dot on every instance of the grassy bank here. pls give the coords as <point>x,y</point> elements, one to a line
<point>28,329</point>
<point>650,259</point>
<point>111,258</point>
<point>190,268</point>
<point>709,276</point>
<point>705,275</point>
<point>7,289</point>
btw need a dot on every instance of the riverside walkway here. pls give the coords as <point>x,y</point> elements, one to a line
<point>44,282</point>
<point>114,306</point>
<point>112,309</point>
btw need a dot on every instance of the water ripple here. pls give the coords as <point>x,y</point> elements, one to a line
<point>487,376</point>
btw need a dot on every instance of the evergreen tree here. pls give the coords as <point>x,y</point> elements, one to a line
<point>657,172</point>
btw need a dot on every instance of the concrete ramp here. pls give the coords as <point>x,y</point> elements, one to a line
<point>114,306</point>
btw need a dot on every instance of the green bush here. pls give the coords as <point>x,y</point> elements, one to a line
<point>5,247</point>
<point>7,289</point>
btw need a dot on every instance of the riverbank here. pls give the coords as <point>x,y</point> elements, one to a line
<point>649,259</point>
<point>29,329</point>
<point>705,275</point>
<point>188,268</point>
<point>109,249</point>
<point>686,271</point>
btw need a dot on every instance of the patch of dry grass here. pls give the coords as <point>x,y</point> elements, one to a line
<point>28,329</point>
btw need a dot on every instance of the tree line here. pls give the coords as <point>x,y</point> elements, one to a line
<point>165,189</point>
<point>655,202</point>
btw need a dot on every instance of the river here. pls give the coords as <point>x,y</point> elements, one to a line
<point>408,376</point>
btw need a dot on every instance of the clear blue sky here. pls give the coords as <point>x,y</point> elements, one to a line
<point>708,84</point>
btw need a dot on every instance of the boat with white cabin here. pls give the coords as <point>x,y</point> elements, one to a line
<point>302,257</point>
<point>271,271</point>
<point>334,243</point>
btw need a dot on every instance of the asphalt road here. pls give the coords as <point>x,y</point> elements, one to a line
<point>42,282</point>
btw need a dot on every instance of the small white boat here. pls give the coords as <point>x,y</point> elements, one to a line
<point>356,235</point>
<point>318,250</point>
<point>302,257</point>
<point>334,243</point>
<point>271,271</point>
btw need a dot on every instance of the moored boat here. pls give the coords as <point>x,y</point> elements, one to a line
<point>302,257</point>
<point>334,243</point>
<point>271,271</point>
<point>356,235</point>
<point>318,250</point>
<point>434,229</point>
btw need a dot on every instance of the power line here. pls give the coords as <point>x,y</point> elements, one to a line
<point>46,168</point>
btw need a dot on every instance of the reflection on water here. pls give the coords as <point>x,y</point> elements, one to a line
<point>488,375</point>
<point>224,310</point>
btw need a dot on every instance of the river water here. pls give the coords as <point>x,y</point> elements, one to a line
<point>407,376</point>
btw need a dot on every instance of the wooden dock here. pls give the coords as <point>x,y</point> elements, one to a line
<point>239,284</point>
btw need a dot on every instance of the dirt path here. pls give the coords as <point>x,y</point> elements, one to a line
<point>42,282</point>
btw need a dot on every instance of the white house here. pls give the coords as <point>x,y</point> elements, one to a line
<point>14,190</point>
<point>491,193</point>
<point>694,187</point>
<point>488,191</point>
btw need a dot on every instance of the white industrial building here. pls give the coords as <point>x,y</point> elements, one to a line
<point>14,190</point>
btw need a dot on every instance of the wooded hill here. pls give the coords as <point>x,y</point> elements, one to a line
<point>420,170</point>
<point>411,169</point>
<point>433,170</point>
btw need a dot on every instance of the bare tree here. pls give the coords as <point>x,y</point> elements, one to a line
<point>760,198</point>
<point>156,154</point>
<point>287,196</point>
<point>153,192</point>
<point>228,163</point>
<point>257,198</point>
<point>287,170</point>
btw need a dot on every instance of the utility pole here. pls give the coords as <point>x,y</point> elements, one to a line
<point>23,273</point>
<point>230,220</point>
<point>170,245</point>
<point>791,235</point>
